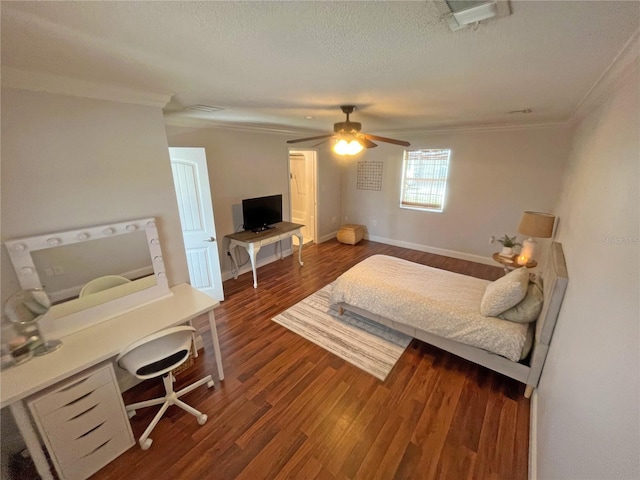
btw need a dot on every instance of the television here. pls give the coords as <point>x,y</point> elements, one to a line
<point>259,213</point>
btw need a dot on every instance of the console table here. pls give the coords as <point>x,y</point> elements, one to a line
<point>99,343</point>
<point>253,241</point>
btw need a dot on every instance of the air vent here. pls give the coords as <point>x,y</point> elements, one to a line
<point>204,108</point>
<point>462,13</point>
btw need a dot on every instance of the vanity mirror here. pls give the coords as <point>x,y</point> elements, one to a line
<point>62,263</point>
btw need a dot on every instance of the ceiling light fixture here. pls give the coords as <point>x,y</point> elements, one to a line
<point>344,146</point>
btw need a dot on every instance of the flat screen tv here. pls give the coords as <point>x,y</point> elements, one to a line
<point>259,213</point>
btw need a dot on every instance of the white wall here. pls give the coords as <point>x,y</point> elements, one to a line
<point>69,162</point>
<point>494,175</point>
<point>588,424</point>
<point>252,164</point>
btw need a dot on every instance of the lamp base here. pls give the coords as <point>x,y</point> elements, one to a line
<point>528,249</point>
<point>47,347</point>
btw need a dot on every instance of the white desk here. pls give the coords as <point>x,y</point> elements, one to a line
<point>253,241</point>
<point>96,344</point>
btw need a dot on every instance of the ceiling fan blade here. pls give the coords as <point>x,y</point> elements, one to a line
<point>320,143</point>
<point>366,143</point>
<point>387,140</point>
<point>311,138</point>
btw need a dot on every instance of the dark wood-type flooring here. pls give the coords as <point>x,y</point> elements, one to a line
<point>289,409</point>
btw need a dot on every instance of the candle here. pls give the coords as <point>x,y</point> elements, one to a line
<point>522,260</point>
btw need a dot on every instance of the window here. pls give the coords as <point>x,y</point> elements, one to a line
<point>424,179</point>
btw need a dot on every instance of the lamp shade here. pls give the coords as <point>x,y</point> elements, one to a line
<point>536,224</point>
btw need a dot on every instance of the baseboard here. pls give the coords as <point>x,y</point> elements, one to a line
<point>388,241</point>
<point>327,237</point>
<point>435,250</point>
<point>533,436</point>
<point>261,262</point>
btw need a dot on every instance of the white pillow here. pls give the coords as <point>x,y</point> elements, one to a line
<point>528,309</point>
<point>505,292</point>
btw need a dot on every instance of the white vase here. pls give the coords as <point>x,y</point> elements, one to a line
<point>506,252</point>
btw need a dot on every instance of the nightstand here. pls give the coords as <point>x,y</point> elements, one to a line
<point>511,263</point>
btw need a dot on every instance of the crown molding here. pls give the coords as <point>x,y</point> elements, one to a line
<point>496,127</point>
<point>622,66</point>
<point>61,85</point>
<point>176,119</point>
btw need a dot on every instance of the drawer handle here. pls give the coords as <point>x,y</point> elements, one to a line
<point>79,382</point>
<point>93,429</point>
<point>79,398</point>
<point>86,411</point>
<point>96,449</point>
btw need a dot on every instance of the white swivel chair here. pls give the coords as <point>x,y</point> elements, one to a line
<point>103,283</point>
<point>158,355</point>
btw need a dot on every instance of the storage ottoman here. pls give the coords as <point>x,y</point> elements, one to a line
<point>350,234</point>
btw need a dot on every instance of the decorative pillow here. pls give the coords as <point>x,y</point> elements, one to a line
<point>528,309</point>
<point>504,293</point>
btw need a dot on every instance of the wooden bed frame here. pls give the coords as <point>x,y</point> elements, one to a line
<point>554,281</point>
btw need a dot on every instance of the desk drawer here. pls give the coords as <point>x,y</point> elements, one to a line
<point>82,422</point>
<point>69,392</point>
<point>269,241</point>
<point>68,452</point>
<point>69,423</point>
<point>98,458</point>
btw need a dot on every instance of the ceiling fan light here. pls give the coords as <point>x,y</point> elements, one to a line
<point>342,147</point>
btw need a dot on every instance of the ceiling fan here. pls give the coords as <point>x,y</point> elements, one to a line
<point>350,140</point>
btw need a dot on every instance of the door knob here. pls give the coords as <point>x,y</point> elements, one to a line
<point>210,239</point>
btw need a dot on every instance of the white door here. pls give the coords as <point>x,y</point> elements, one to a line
<point>302,191</point>
<point>191,181</point>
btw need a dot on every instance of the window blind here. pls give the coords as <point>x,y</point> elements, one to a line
<point>424,179</point>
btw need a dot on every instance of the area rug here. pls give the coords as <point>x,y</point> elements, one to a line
<point>369,346</point>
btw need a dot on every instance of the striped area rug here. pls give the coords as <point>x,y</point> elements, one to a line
<point>369,346</point>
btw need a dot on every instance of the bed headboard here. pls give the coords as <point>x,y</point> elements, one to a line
<point>554,284</point>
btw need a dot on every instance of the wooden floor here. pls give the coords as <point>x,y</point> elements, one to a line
<point>289,409</point>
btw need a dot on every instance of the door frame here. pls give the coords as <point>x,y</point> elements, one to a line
<point>314,181</point>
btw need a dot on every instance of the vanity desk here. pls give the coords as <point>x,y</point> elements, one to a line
<point>98,344</point>
<point>72,393</point>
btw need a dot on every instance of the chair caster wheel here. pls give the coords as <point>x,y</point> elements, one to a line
<point>202,419</point>
<point>144,445</point>
<point>131,413</point>
<point>210,384</point>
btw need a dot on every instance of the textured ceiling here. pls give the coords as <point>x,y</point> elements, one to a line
<point>271,64</point>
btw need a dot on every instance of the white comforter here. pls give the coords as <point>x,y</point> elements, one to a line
<point>443,303</point>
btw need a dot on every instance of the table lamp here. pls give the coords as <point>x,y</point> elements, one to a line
<point>533,224</point>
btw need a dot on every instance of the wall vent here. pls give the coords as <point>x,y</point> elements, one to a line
<point>462,13</point>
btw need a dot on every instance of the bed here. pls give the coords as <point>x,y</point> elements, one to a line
<point>442,308</point>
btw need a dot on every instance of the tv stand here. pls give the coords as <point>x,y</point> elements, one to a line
<point>260,229</point>
<point>253,241</point>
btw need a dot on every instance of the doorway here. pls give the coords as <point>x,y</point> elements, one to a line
<point>302,192</point>
<point>191,183</point>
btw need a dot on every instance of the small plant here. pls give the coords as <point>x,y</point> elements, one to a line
<point>508,241</point>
